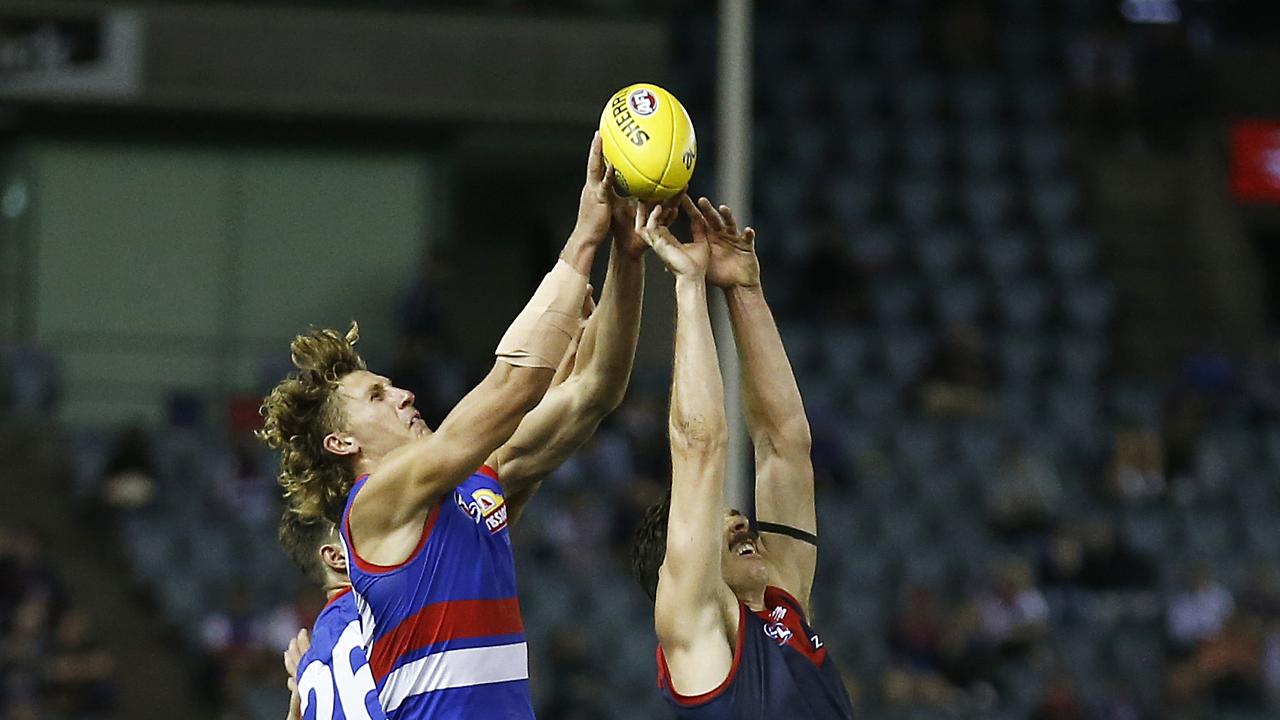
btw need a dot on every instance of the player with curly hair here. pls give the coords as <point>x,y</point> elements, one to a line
<point>423,514</point>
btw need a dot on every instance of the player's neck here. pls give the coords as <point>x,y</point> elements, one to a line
<point>334,589</point>
<point>753,599</point>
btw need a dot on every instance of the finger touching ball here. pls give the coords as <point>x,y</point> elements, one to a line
<point>649,139</point>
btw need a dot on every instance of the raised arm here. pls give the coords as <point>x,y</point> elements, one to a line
<point>775,412</point>
<point>572,410</point>
<point>409,481</point>
<point>693,604</point>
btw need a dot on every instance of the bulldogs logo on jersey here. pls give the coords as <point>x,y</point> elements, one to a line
<point>484,506</point>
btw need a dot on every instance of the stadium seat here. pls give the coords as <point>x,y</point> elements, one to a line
<point>920,201</point>
<point>924,148</point>
<point>866,147</point>
<point>939,253</point>
<point>1080,357</point>
<point>806,145</point>
<point>1042,151</point>
<point>1072,255</point>
<point>1024,305</point>
<point>959,302</point>
<point>845,352</point>
<point>874,248</point>
<point>1054,204</point>
<point>1037,99</point>
<point>903,354</point>
<point>987,203</point>
<point>851,199</point>
<point>834,46</point>
<point>1023,357</point>
<point>856,98</point>
<point>1087,306</point>
<point>895,301</point>
<point>1005,255</point>
<point>896,44</point>
<point>977,100</point>
<point>983,151</point>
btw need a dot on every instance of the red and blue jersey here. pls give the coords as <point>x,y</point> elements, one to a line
<point>780,671</point>
<point>334,679</point>
<point>442,629</point>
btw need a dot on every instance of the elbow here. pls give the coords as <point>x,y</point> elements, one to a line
<point>599,398</point>
<point>523,387</point>
<point>698,436</point>
<point>791,438</point>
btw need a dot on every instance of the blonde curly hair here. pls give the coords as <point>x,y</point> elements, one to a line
<point>300,411</point>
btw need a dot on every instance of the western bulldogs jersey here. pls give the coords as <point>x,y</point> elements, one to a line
<point>334,680</point>
<point>442,629</point>
<point>780,671</point>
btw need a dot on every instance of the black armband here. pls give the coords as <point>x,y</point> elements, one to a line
<point>787,530</point>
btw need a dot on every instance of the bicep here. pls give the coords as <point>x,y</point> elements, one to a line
<point>785,496</point>
<point>697,636</point>
<point>546,437</point>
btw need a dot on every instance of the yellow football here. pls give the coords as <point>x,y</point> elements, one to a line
<point>648,138</point>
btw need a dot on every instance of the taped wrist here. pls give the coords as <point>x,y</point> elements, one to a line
<point>541,333</point>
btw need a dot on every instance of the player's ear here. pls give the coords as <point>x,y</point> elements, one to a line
<point>333,558</point>
<point>340,444</point>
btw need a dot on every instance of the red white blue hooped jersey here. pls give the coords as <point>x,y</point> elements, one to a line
<point>443,629</point>
<point>334,679</point>
<point>780,671</point>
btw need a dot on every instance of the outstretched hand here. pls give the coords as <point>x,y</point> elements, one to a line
<point>733,251</point>
<point>595,205</point>
<point>684,260</point>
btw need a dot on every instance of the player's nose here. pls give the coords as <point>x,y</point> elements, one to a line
<point>406,399</point>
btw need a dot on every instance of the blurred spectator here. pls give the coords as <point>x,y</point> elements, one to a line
<point>1101,65</point>
<point>1198,611</point>
<point>1015,614</point>
<point>1226,668</point>
<point>420,366</point>
<point>965,35</point>
<point>574,692</point>
<point>129,476</point>
<point>1136,473</point>
<point>1262,381</point>
<point>1060,700</point>
<point>915,636</point>
<point>960,376</point>
<point>1026,496</point>
<point>1110,563</point>
<point>77,672</point>
<point>244,487</point>
<point>832,289</point>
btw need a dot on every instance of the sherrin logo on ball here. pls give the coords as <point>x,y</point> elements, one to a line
<point>649,139</point>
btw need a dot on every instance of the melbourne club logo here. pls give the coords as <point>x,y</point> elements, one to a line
<point>778,632</point>
<point>643,102</point>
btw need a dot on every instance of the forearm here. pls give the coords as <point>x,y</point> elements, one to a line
<point>580,251</point>
<point>698,442</point>
<point>608,352</point>
<point>697,389</point>
<point>772,402</point>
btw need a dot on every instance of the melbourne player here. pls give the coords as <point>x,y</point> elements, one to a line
<point>332,679</point>
<point>732,604</point>
<point>423,514</point>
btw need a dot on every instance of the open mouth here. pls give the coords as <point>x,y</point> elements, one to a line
<point>746,548</point>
